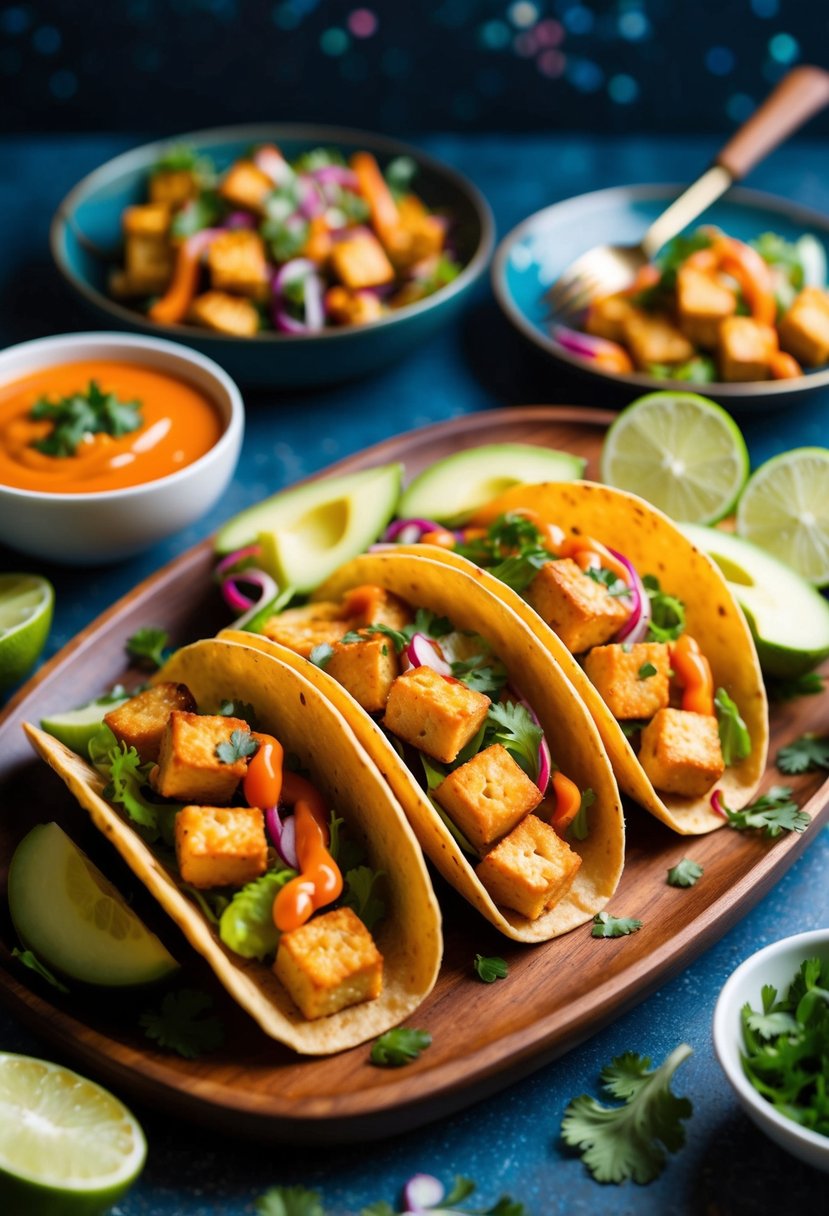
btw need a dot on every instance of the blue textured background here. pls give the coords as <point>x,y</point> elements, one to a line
<point>399,65</point>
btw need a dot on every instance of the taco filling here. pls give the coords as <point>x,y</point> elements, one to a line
<point>475,745</point>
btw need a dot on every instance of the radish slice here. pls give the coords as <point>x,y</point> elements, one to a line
<point>717,804</point>
<point>237,601</point>
<point>422,652</point>
<point>233,559</point>
<point>409,531</point>
<point>635,627</point>
<point>422,1192</point>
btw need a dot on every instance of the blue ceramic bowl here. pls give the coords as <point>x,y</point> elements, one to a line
<point>86,240</point>
<point>531,257</point>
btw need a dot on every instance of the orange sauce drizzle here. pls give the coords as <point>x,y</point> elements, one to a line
<point>568,802</point>
<point>693,674</point>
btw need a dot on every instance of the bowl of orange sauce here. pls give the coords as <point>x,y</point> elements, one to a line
<point>110,442</point>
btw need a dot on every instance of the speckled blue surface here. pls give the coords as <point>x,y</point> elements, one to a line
<point>509,1143</point>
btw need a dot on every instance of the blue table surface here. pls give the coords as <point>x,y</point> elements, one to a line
<point>510,1143</point>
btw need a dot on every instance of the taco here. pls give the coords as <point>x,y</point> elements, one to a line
<point>494,759</point>
<point>322,924</point>
<point>647,631</point>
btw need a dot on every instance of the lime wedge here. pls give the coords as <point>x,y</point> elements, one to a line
<point>681,452</point>
<point>67,1146</point>
<point>26,603</point>
<point>75,727</point>
<point>784,509</point>
<point>74,919</point>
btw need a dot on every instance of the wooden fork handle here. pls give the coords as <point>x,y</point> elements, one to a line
<point>798,97</point>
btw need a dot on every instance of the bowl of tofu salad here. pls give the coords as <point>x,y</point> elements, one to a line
<point>738,304</point>
<point>298,255</point>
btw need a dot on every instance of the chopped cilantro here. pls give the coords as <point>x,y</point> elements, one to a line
<point>632,726</point>
<point>197,213</point>
<point>685,873</point>
<point>399,1046</point>
<point>608,579</point>
<point>284,240</point>
<point>775,812</point>
<point>646,671</point>
<point>289,1201</point>
<point>320,656</point>
<point>808,685</point>
<point>480,676</point>
<point>360,895</point>
<point>630,1141</point>
<point>803,755</point>
<point>241,745</point>
<point>183,157</point>
<point>80,415</point>
<point>148,646</point>
<point>667,612</point>
<point>579,828</point>
<point>606,925</point>
<point>490,969</point>
<point>399,175</point>
<point>179,1023</point>
<point>510,724</point>
<point>29,959</point>
<point>211,903</point>
<point>519,570</point>
<point>734,737</point>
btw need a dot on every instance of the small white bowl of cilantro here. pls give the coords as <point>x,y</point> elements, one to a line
<point>771,1035</point>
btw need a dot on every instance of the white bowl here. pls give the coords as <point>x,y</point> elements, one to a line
<point>84,528</point>
<point>776,964</point>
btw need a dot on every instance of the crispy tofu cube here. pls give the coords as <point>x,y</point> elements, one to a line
<point>606,318</point>
<point>147,219</point>
<point>148,258</point>
<point>329,963</point>
<point>487,796</point>
<point>804,330</point>
<point>246,186</point>
<point>746,348</point>
<point>616,674</point>
<point>346,307</point>
<point>237,263</point>
<point>173,187</point>
<point>530,870</point>
<point>366,670</point>
<point>220,846</point>
<point>225,313</point>
<point>301,629</point>
<point>681,752</point>
<point>434,714</point>
<point>372,605</point>
<point>189,769</point>
<point>652,338</point>
<point>417,234</point>
<point>141,721</point>
<point>581,611</point>
<point>360,261</point>
<point>702,303</point>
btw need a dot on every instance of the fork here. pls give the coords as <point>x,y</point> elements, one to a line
<point>607,269</point>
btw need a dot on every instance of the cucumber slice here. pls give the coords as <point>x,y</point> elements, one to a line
<point>74,920</point>
<point>75,727</point>
<point>450,490</point>
<point>788,617</point>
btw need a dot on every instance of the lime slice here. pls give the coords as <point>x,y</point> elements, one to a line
<point>26,603</point>
<point>75,727</point>
<point>784,509</point>
<point>681,452</point>
<point>67,1146</point>
<point>74,920</point>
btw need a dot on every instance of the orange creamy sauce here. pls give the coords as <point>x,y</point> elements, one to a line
<point>180,424</point>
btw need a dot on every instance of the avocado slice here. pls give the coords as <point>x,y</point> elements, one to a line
<point>788,617</point>
<point>306,533</point>
<point>450,490</point>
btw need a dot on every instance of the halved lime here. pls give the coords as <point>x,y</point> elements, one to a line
<point>681,452</point>
<point>68,1147</point>
<point>74,919</point>
<point>785,510</point>
<point>75,727</point>
<point>26,604</point>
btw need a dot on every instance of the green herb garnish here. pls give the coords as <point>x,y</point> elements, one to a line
<point>808,685</point>
<point>490,969</point>
<point>630,1141</point>
<point>127,779</point>
<point>196,214</point>
<point>289,1201</point>
<point>611,582</point>
<point>360,895</point>
<point>75,417</point>
<point>579,829</point>
<point>399,1046</point>
<point>685,873</point>
<point>511,725</point>
<point>803,755</point>
<point>241,745</point>
<point>29,959</point>
<point>606,925</point>
<point>775,812</point>
<point>667,612</point>
<point>646,671</point>
<point>180,1026</point>
<point>734,737</point>
<point>321,655</point>
<point>148,646</point>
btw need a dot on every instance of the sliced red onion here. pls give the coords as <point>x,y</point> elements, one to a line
<point>337,175</point>
<point>283,836</point>
<point>635,627</point>
<point>293,269</point>
<point>239,220</point>
<point>717,804</point>
<point>236,599</point>
<point>233,559</point>
<point>273,165</point>
<point>311,201</point>
<point>421,1193</point>
<point>409,531</point>
<point>578,343</point>
<point>314,307</point>
<point>422,652</point>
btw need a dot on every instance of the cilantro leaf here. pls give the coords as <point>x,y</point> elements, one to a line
<point>289,1201</point>
<point>240,745</point>
<point>80,415</point>
<point>667,612</point>
<point>147,646</point>
<point>611,582</point>
<point>519,570</point>
<point>631,1140</point>
<point>179,1024</point>
<point>579,828</point>
<point>685,873</point>
<point>238,709</point>
<point>399,1046</point>
<point>607,925</point>
<point>775,812</point>
<point>211,903</point>
<point>808,685</point>
<point>803,755</point>
<point>346,851</point>
<point>321,655</point>
<point>490,969</point>
<point>360,895</point>
<point>488,679</point>
<point>461,1189</point>
<point>646,671</point>
<point>246,925</point>
<point>633,726</point>
<point>734,737</point>
<point>510,724</point>
<point>197,213</point>
<point>30,960</point>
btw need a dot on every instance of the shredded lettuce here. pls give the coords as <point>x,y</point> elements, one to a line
<point>246,926</point>
<point>126,778</point>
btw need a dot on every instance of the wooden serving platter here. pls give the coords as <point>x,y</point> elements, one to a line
<point>484,1037</point>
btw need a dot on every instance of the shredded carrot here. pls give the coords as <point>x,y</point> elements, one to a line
<point>175,303</point>
<point>784,367</point>
<point>375,191</point>
<point>568,802</point>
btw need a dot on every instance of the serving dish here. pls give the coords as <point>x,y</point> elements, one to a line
<point>775,964</point>
<point>79,528</point>
<point>556,994</point>
<point>86,236</point>
<point>528,260</point>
